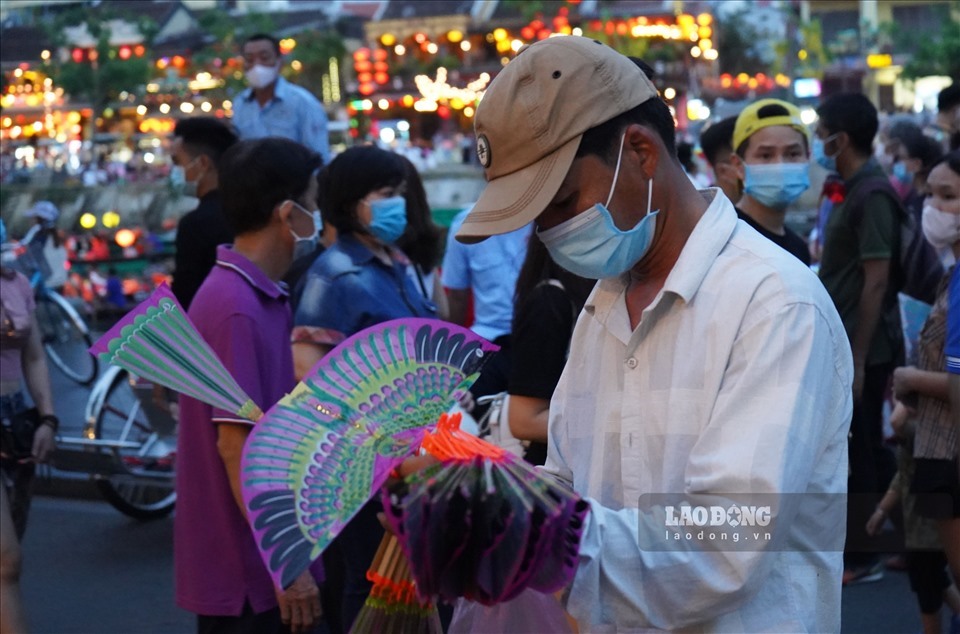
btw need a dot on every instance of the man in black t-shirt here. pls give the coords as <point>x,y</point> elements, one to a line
<point>772,156</point>
<point>198,143</point>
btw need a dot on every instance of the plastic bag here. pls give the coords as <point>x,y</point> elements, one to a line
<point>532,611</point>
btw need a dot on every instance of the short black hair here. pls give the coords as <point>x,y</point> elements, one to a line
<point>718,138</point>
<point>949,97</point>
<point>903,131</point>
<point>262,36</point>
<point>924,148</point>
<point>645,67</point>
<point>205,135</point>
<point>769,110</point>
<point>350,177</point>
<point>256,175</point>
<point>602,140</point>
<point>951,159</point>
<point>853,114</point>
<point>421,239</point>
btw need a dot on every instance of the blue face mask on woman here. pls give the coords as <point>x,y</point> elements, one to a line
<point>590,244</point>
<point>820,153</point>
<point>776,185</point>
<point>389,218</point>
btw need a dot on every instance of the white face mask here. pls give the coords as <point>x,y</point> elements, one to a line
<point>262,76</point>
<point>941,229</point>
<point>304,245</point>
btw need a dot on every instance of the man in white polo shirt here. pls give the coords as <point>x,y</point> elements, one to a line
<point>708,364</point>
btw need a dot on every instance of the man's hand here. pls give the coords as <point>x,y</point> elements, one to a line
<point>44,443</point>
<point>300,604</point>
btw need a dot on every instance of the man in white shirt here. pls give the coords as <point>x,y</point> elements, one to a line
<point>706,397</point>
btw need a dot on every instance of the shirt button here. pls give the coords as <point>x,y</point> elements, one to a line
<point>631,363</point>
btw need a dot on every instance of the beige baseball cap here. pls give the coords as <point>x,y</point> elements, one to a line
<point>530,120</point>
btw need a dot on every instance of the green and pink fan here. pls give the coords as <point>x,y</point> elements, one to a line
<point>317,456</point>
<point>325,449</point>
<point>156,341</point>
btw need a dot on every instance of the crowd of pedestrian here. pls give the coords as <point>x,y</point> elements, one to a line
<point>658,335</point>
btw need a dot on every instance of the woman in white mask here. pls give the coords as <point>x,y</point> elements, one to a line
<point>925,387</point>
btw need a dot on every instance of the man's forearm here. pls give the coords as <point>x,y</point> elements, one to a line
<point>869,310</point>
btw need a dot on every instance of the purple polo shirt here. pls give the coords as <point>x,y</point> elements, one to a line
<point>245,318</point>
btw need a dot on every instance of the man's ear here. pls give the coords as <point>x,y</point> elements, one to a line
<point>283,211</point>
<point>645,143</point>
<point>738,166</point>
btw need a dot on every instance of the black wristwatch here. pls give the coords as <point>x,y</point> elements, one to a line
<point>51,420</point>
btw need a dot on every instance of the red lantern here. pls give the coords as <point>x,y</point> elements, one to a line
<point>380,54</point>
<point>77,55</point>
<point>381,78</point>
<point>528,32</point>
<point>124,52</point>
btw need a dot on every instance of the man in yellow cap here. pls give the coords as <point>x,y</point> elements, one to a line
<point>771,157</point>
<point>707,389</point>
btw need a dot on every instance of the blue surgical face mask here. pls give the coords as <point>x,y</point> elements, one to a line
<point>305,245</point>
<point>776,185</point>
<point>901,173</point>
<point>389,218</point>
<point>820,153</point>
<point>590,244</point>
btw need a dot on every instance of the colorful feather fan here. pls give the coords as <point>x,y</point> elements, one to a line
<point>156,341</point>
<point>316,457</point>
<point>325,449</point>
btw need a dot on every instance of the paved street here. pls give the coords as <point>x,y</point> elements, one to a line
<point>90,570</point>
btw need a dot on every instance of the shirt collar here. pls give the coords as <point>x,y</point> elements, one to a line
<point>704,244</point>
<point>360,254</point>
<point>230,259</point>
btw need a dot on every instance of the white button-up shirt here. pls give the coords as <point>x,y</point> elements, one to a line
<point>737,380</point>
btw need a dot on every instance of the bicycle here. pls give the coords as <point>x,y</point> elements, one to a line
<point>63,332</point>
<point>128,445</point>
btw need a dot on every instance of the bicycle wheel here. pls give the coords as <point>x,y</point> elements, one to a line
<point>145,488</point>
<point>65,339</point>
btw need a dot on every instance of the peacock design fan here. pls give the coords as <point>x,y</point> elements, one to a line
<point>316,457</point>
<point>325,449</point>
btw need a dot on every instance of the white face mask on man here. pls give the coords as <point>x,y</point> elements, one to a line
<point>262,76</point>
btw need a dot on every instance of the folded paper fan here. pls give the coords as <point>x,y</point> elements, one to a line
<point>483,524</point>
<point>158,342</point>
<point>323,451</point>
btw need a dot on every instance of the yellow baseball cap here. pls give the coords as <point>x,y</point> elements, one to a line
<point>749,121</point>
<point>530,121</point>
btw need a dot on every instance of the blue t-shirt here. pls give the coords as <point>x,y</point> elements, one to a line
<point>347,289</point>
<point>952,348</point>
<point>490,269</point>
<point>293,113</point>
